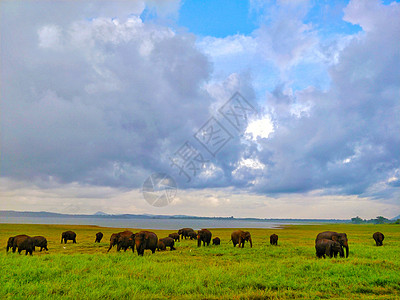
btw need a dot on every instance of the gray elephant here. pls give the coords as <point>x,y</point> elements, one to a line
<point>216,241</point>
<point>186,232</point>
<point>146,240</point>
<point>68,236</point>
<point>126,241</point>
<point>40,241</point>
<point>23,242</point>
<point>328,247</point>
<point>175,236</point>
<point>341,238</point>
<point>99,236</point>
<point>166,242</point>
<point>239,237</point>
<point>273,239</point>
<point>118,239</point>
<point>204,236</point>
<point>378,237</point>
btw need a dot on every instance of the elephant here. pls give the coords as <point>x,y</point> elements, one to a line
<point>175,236</point>
<point>125,241</point>
<point>99,236</point>
<point>161,246</point>
<point>328,247</point>
<point>273,239</point>
<point>203,235</point>
<point>10,242</point>
<point>338,237</point>
<point>113,241</point>
<point>184,232</point>
<point>68,235</point>
<point>378,237</point>
<point>193,235</point>
<point>23,242</point>
<point>167,242</point>
<point>216,241</point>
<point>146,240</point>
<point>239,237</point>
<point>40,241</point>
<point>116,238</point>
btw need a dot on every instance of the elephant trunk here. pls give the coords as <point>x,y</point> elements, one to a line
<point>251,243</point>
<point>198,241</point>
<point>347,250</point>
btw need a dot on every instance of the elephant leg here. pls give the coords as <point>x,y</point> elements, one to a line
<point>328,251</point>
<point>74,241</point>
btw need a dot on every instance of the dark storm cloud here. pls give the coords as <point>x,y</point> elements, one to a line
<point>95,100</point>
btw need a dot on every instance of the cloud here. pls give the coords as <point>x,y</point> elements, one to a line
<point>93,96</point>
<point>347,137</point>
<point>98,100</point>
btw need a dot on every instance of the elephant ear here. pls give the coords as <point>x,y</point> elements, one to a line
<point>146,236</point>
<point>335,238</point>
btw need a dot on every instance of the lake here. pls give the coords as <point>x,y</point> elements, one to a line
<point>169,224</point>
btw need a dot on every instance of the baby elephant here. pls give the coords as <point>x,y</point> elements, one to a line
<point>273,239</point>
<point>99,236</point>
<point>40,241</point>
<point>161,246</point>
<point>166,242</point>
<point>327,247</point>
<point>378,237</point>
<point>175,236</point>
<point>216,241</point>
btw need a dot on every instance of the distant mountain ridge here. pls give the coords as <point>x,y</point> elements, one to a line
<point>100,214</point>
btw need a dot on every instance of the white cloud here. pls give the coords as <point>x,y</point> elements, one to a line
<point>49,37</point>
<point>260,128</point>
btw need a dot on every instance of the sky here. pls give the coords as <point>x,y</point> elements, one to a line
<point>268,109</point>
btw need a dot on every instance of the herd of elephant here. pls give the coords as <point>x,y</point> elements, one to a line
<point>331,243</point>
<point>327,243</point>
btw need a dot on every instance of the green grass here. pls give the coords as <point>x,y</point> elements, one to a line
<point>287,271</point>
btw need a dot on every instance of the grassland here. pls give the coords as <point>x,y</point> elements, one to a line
<point>287,271</point>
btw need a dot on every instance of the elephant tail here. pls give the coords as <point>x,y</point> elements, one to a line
<point>229,241</point>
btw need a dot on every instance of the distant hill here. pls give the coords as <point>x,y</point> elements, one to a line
<point>100,214</point>
<point>395,218</point>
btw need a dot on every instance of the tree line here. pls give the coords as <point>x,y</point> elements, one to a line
<point>377,220</point>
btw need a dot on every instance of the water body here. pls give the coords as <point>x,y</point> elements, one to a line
<point>170,224</point>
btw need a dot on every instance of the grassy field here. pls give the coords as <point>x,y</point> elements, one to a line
<point>287,271</point>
